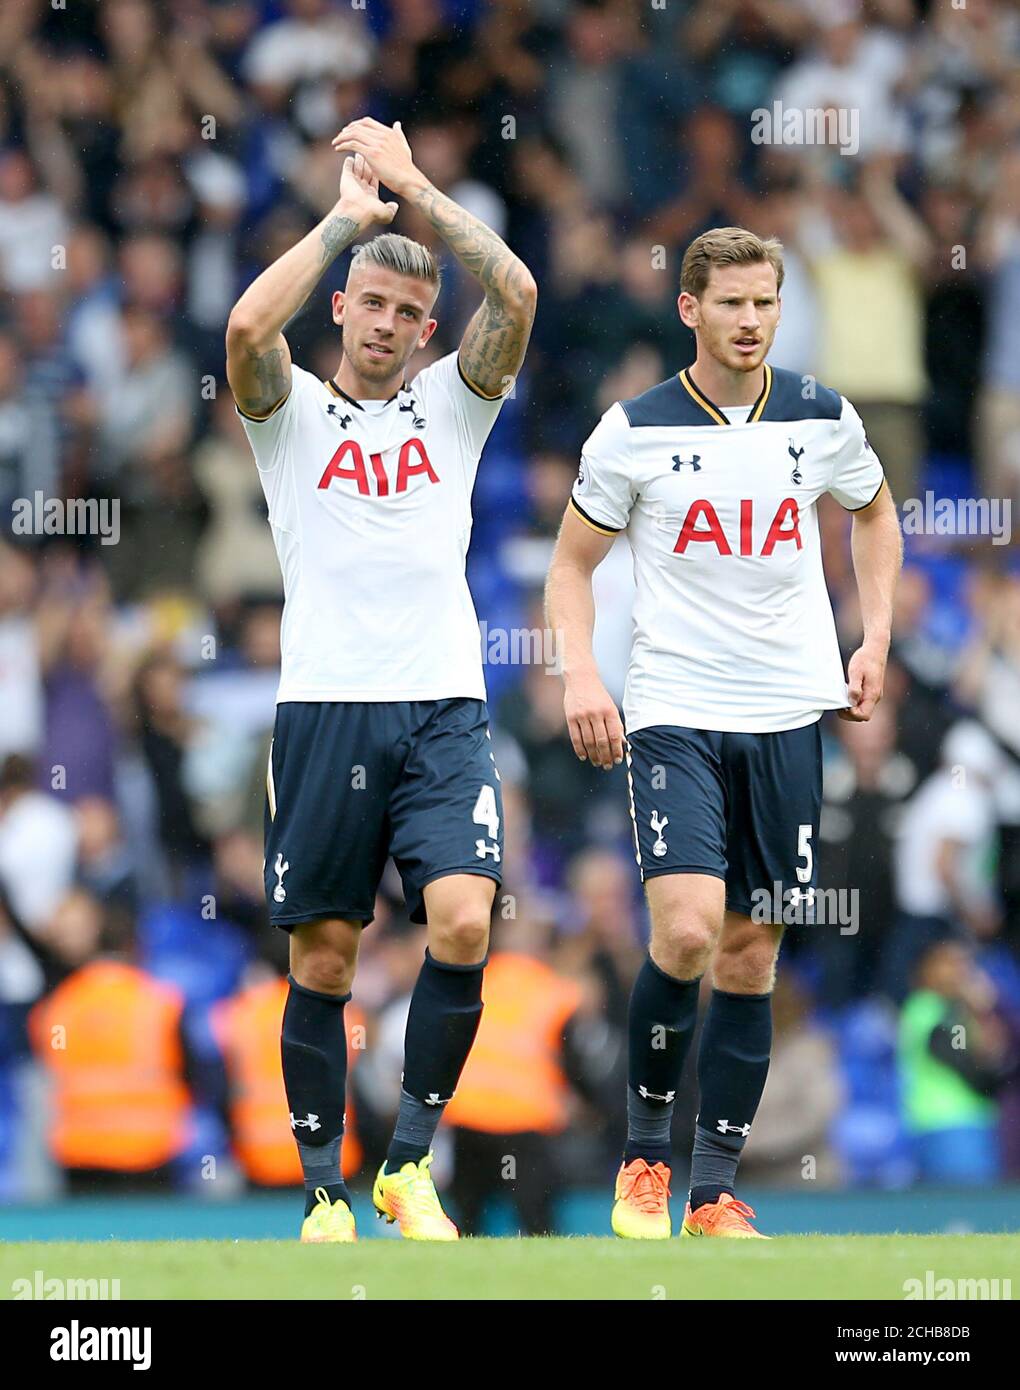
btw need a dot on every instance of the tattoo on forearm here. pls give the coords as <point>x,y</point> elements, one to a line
<point>492,349</point>
<point>494,343</point>
<point>337,235</point>
<point>270,370</point>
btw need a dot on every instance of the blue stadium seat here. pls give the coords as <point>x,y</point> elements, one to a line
<point>204,959</point>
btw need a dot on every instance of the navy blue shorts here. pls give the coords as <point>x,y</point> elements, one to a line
<point>350,784</point>
<point>742,807</point>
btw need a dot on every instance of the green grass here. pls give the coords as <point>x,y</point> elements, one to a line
<point>797,1267</point>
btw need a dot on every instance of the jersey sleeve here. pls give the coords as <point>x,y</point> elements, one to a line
<point>473,413</point>
<point>270,437</point>
<point>603,493</point>
<point>272,442</point>
<point>857,477</point>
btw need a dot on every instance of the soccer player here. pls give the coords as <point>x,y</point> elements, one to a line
<point>715,475</point>
<point>381,743</point>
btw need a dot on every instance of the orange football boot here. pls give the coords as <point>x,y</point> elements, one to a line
<point>641,1209</point>
<point>726,1217</point>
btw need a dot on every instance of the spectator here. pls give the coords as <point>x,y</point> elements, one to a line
<point>513,1094</point>
<point>953,1052</point>
<point>943,888</point>
<point>38,844</point>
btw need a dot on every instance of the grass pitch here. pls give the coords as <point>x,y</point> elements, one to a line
<point>790,1267</point>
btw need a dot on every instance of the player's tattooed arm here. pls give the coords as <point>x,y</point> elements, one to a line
<point>336,234</point>
<point>258,359</point>
<point>494,343</point>
<point>495,340</point>
<point>263,380</point>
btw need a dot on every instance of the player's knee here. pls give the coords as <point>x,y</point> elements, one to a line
<point>323,968</point>
<point>683,945</point>
<point>745,968</point>
<point>461,938</point>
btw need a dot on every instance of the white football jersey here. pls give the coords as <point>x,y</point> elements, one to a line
<point>733,629</point>
<point>370,506</point>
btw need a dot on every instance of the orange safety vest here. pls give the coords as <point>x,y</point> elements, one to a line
<point>109,1036</point>
<point>513,1080</point>
<point>247,1028</point>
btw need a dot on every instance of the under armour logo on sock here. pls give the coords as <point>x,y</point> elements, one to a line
<point>310,1122</point>
<point>646,1094</point>
<point>724,1127</point>
<point>434,1098</point>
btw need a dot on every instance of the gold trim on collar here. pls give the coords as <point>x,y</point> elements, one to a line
<point>713,410</point>
<point>701,400</point>
<point>759,404</point>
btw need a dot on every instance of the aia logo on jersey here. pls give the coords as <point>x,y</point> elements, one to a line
<point>702,524</point>
<point>348,466</point>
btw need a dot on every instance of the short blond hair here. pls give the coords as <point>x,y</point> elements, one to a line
<point>395,252</point>
<point>727,246</point>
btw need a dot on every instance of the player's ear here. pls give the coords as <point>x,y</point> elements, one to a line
<point>338,307</point>
<point>427,330</point>
<point>687,307</point>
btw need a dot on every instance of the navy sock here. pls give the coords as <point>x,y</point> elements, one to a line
<point>663,1012</point>
<point>446,1008</point>
<point>314,1051</point>
<point>733,1062</point>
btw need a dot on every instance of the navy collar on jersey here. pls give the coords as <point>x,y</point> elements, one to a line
<point>713,411</point>
<point>338,391</point>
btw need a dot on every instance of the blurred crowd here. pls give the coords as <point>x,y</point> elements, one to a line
<point>153,158</point>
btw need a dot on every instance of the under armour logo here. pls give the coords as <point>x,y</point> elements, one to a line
<point>310,1122</point>
<point>419,422</point>
<point>280,868</point>
<point>344,420</point>
<point>646,1094</point>
<point>434,1098</point>
<point>724,1127</point>
<point>659,848</point>
<point>796,896</point>
<point>679,463</point>
<point>795,454</point>
<point>482,848</point>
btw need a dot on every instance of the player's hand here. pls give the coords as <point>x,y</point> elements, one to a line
<point>385,147</point>
<point>594,722</point>
<point>865,677</point>
<point>359,193</point>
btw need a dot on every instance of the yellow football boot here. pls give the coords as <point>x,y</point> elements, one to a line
<point>641,1209</point>
<point>727,1217</point>
<point>328,1223</point>
<point>409,1197</point>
